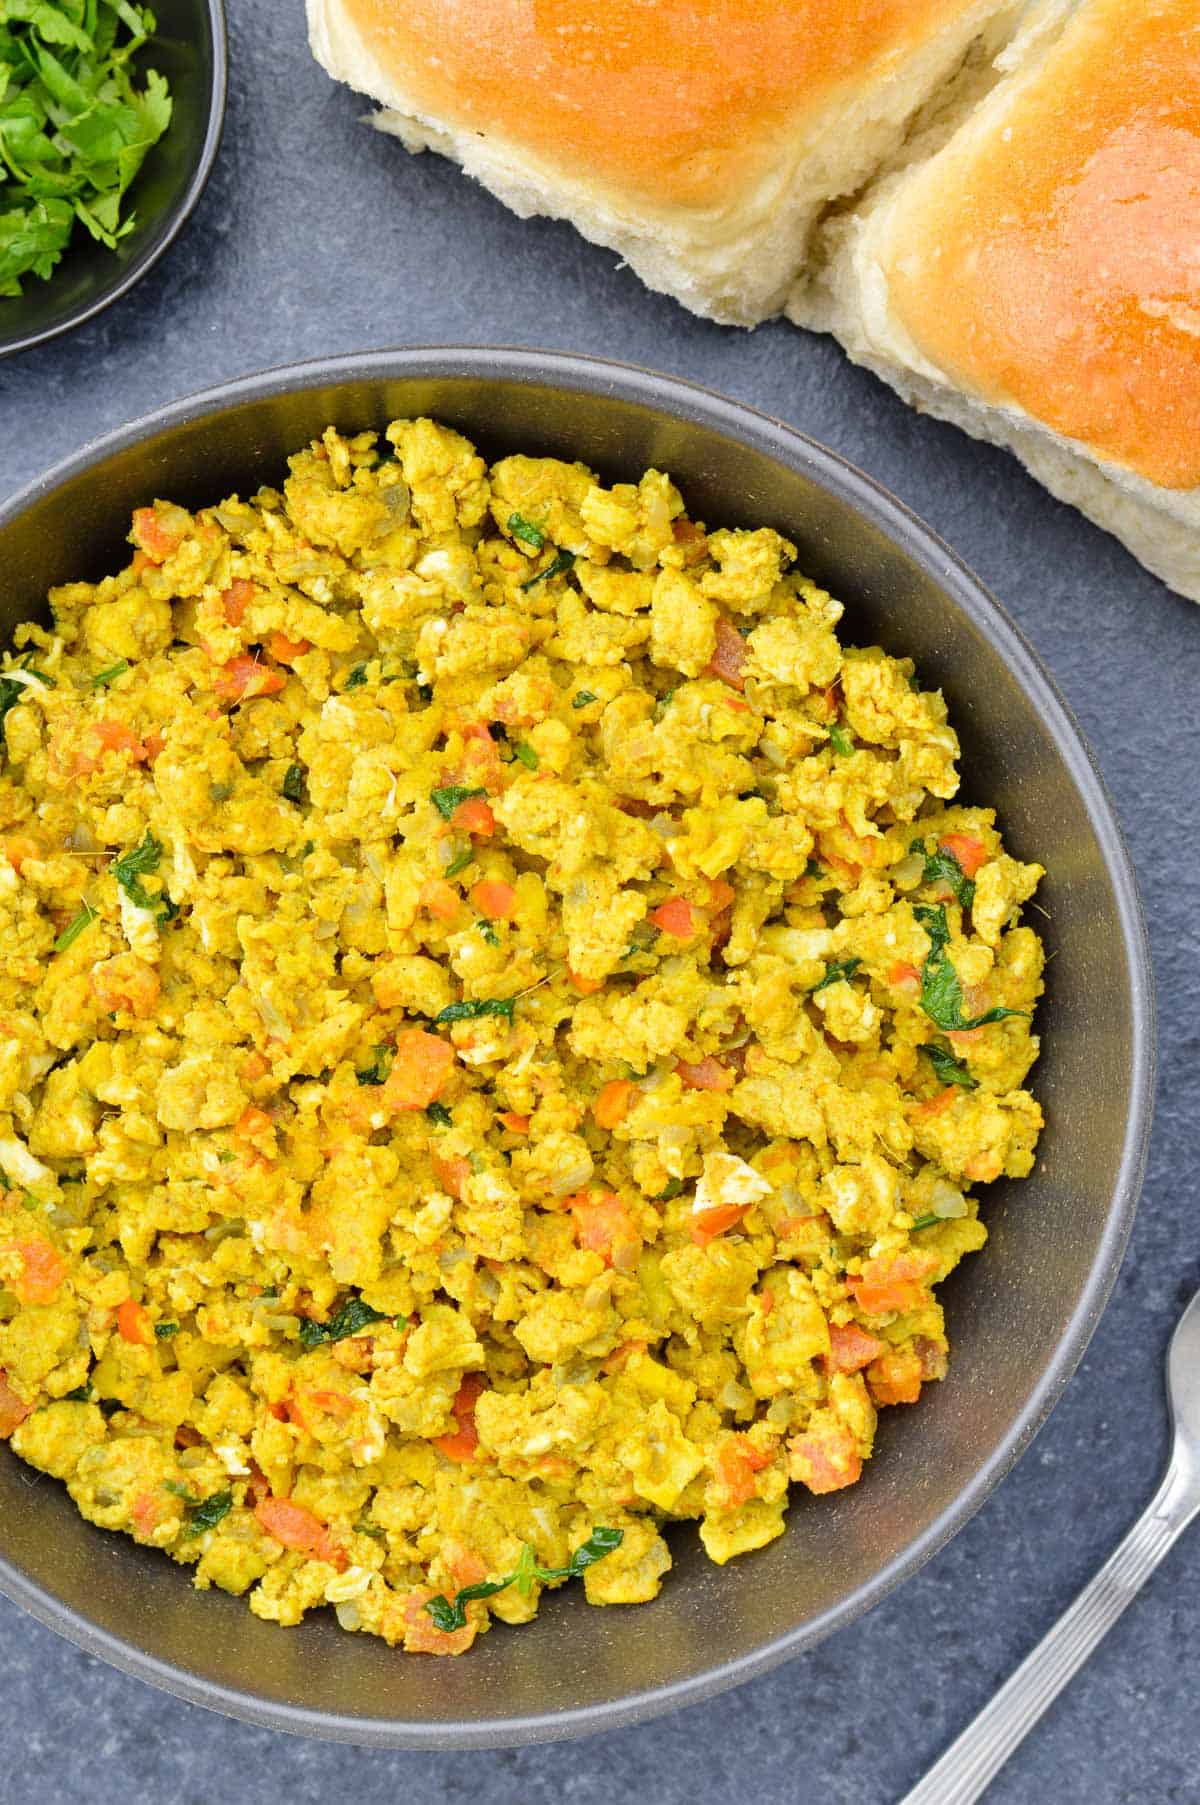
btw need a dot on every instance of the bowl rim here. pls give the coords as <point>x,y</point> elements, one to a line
<point>172,221</point>
<point>692,403</point>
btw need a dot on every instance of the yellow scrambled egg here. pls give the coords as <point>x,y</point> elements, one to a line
<point>501,1017</point>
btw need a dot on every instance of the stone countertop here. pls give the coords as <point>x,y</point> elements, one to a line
<point>318,236</point>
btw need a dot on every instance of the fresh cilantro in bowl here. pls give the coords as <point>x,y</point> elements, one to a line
<point>76,123</point>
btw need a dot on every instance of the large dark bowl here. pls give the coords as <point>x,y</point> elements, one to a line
<point>1020,1314</point>
<point>189,48</point>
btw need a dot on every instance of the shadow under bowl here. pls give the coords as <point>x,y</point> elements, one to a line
<point>1019,1315</point>
<point>189,49</point>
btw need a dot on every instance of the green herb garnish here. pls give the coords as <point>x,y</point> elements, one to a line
<point>114,670</point>
<point>74,929</point>
<point>841,971</point>
<point>949,1069</point>
<point>460,861</point>
<point>582,699</point>
<point>941,991</point>
<point>924,1222</point>
<point>450,1614</point>
<point>446,800</point>
<point>380,1066</point>
<point>488,931</point>
<point>941,867</point>
<point>74,129</point>
<point>82,1394</point>
<point>672,1188</point>
<point>526,532</point>
<point>841,742</point>
<point>349,1319</point>
<point>437,1112</point>
<point>165,1330</point>
<point>207,1514</point>
<point>469,1012</point>
<point>131,867</point>
<point>527,755</point>
<point>357,677</point>
<point>558,568</point>
<point>293,783</point>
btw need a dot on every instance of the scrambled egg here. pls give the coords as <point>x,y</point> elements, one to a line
<point>501,1015</point>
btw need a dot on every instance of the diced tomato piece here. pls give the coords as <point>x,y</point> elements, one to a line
<point>893,1285</point>
<point>252,1121</point>
<point>13,1410</point>
<point>152,537</point>
<point>494,898</point>
<point>903,976</point>
<point>440,899</point>
<point>895,1378</point>
<point>612,1363</point>
<point>334,1403</point>
<point>109,736</point>
<point>419,1070</point>
<point>966,1037</point>
<point>451,1172</point>
<point>253,1067</point>
<point>585,986</point>
<point>706,1225</point>
<point>475,817</point>
<point>515,1123</point>
<point>721,895</point>
<point>937,1105</point>
<point>42,1274</point>
<point>153,744</point>
<point>603,1226</point>
<point>244,677</point>
<point>298,1529</point>
<point>468,1568</point>
<point>736,1464</point>
<point>236,599</point>
<point>983,1168</point>
<point>969,851</point>
<point>286,651</point>
<point>144,1512</point>
<point>481,763</point>
<point>126,982</point>
<point>18,848</point>
<point>932,1357</point>
<point>851,1348</point>
<point>422,1635</point>
<point>463,1443</point>
<point>825,1459</point>
<point>133,1323</point>
<point>675,917</point>
<point>612,1105</point>
<point>729,659</point>
<point>706,1075</point>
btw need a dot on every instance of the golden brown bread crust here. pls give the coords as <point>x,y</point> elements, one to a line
<point>1054,263</point>
<point>680,103</point>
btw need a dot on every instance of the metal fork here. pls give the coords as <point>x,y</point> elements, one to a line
<point>972,1762</point>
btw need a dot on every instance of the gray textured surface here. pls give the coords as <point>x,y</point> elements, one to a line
<point>317,236</point>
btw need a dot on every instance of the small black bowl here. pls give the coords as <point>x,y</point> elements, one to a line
<point>189,49</point>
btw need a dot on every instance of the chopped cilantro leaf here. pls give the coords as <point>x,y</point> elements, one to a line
<point>949,1069</point>
<point>841,971</point>
<point>469,1012</point>
<point>208,1513</point>
<point>349,1318</point>
<point>293,783</point>
<point>165,1330</point>
<point>447,799</point>
<point>488,931</point>
<point>526,532</point>
<point>941,991</point>
<point>450,1614</point>
<point>357,677</point>
<point>941,867</point>
<point>437,1112</point>
<point>110,675</point>
<point>380,1066</point>
<point>583,698</point>
<point>131,867</point>
<point>82,1394</point>
<point>460,861</point>
<point>841,742</point>
<point>925,1222</point>
<point>561,564</point>
<point>527,755</point>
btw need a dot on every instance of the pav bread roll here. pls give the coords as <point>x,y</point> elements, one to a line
<point>700,139</point>
<point>1037,277</point>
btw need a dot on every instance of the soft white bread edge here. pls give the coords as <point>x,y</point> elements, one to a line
<point>736,266</point>
<point>848,297</point>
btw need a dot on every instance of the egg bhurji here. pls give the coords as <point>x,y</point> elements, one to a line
<point>502,1017</point>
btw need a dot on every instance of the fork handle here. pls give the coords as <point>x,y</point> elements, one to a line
<point>972,1762</point>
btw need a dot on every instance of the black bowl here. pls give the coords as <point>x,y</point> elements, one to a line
<point>189,48</point>
<point>1019,1315</point>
